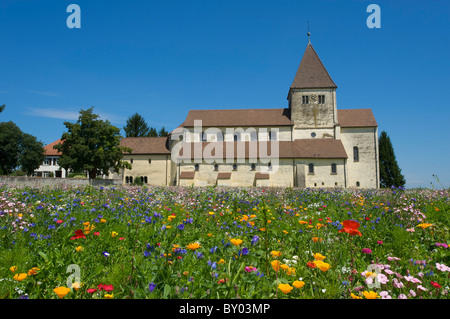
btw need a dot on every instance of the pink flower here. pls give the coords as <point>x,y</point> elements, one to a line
<point>388,271</point>
<point>59,221</point>
<point>411,230</point>
<point>422,288</point>
<point>380,242</point>
<point>412,293</point>
<point>382,279</point>
<point>442,267</point>
<point>385,295</point>
<point>396,283</point>
<point>402,296</point>
<point>393,258</point>
<point>366,250</point>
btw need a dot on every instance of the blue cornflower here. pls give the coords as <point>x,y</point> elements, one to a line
<point>51,227</point>
<point>151,286</point>
<point>147,253</point>
<point>180,227</point>
<point>199,255</point>
<point>105,253</point>
<point>255,239</point>
<point>213,250</point>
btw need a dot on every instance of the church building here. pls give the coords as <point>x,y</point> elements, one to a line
<point>309,143</point>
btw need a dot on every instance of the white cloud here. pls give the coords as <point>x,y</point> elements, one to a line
<point>53,113</point>
<point>69,115</point>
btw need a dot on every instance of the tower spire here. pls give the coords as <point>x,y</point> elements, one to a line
<point>309,33</point>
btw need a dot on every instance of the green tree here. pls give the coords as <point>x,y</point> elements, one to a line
<point>18,150</point>
<point>92,145</point>
<point>31,153</point>
<point>153,132</point>
<point>390,172</point>
<point>2,107</point>
<point>163,132</point>
<point>136,126</point>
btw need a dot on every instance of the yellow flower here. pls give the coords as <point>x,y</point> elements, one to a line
<point>275,253</point>
<point>424,225</point>
<point>236,242</point>
<point>370,295</point>
<point>284,267</point>
<point>290,271</point>
<point>109,296</point>
<point>102,220</point>
<point>193,246</point>
<point>79,248</point>
<point>20,277</point>
<point>209,234</point>
<point>275,265</point>
<point>355,296</point>
<point>114,234</point>
<point>77,285</point>
<point>33,271</point>
<point>321,265</point>
<point>13,268</point>
<point>211,213</point>
<point>285,288</point>
<point>221,261</point>
<point>319,256</point>
<point>61,292</point>
<point>298,284</point>
<point>302,222</point>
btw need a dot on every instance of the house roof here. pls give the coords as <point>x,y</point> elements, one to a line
<point>356,118</point>
<point>307,148</point>
<point>146,145</point>
<point>311,72</point>
<point>50,151</point>
<point>239,117</point>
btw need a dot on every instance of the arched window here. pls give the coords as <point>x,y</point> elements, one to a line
<point>355,154</point>
<point>253,166</point>
<point>269,166</point>
<point>197,167</point>
<point>131,161</point>
<point>237,137</point>
<point>234,167</point>
<point>203,137</point>
<point>216,167</point>
<point>311,168</point>
<point>333,168</point>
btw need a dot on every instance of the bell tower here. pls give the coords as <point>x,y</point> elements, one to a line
<point>312,99</point>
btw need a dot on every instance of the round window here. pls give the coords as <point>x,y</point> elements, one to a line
<point>313,134</point>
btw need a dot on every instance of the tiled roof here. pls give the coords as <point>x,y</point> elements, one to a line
<point>50,151</point>
<point>146,145</point>
<point>239,117</point>
<point>356,118</point>
<point>307,148</point>
<point>311,73</point>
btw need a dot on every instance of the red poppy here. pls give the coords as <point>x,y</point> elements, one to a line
<point>104,287</point>
<point>78,234</point>
<point>350,227</point>
<point>222,281</point>
<point>91,290</point>
<point>311,264</point>
<point>435,284</point>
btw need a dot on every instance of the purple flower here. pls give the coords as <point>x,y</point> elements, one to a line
<point>105,253</point>
<point>255,240</point>
<point>151,287</point>
<point>180,227</point>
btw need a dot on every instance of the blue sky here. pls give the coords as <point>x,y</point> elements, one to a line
<point>163,58</point>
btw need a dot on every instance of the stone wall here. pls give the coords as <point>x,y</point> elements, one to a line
<point>52,182</point>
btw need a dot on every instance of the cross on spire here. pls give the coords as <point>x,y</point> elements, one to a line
<point>309,33</point>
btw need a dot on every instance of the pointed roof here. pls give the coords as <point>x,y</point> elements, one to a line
<point>311,73</point>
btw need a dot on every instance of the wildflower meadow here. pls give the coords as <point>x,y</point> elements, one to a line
<point>223,243</point>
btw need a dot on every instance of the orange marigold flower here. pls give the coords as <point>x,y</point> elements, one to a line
<point>285,288</point>
<point>275,265</point>
<point>193,246</point>
<point>311,264</point>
